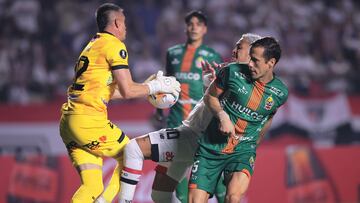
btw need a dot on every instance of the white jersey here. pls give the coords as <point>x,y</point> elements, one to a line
<point>199,118</point>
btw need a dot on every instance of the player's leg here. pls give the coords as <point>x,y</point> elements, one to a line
<point>113,187</point>
<point>134,154</point>
<point>205,174</point>
<point>239,183</point>
<point>237,174</point>
<point>90,170</point>
<point>178,146</point>
<point>166,179</point>
<point>88,138</point>
<point>88,165</point>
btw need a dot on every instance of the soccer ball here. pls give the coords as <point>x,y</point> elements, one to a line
<point>163,100</point>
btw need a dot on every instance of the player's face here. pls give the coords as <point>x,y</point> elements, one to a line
<point>120,25</point>
<point>260,69</point>
<point>195,29</point>
<point>240,52</point>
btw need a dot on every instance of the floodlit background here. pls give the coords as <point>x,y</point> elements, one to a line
<point>311,152</point>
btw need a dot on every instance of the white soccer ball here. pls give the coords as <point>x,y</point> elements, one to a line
<point>162,100</point>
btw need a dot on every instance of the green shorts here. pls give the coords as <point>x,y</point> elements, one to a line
<point>207,167</point>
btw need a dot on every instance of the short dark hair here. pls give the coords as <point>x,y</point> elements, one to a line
<point>271,48</point>
<point>198,14</point>
<point>102,14</point>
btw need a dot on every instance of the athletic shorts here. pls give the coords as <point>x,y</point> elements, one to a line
<point>175,145</point>
<point>207,168</point>
<point>89,138</point>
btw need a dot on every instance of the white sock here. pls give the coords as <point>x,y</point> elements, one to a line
<point>161,196</point>
<point>131,173</point>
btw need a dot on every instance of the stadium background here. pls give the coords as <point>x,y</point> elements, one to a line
<point>310,154</point>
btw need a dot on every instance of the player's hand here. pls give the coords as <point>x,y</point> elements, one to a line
<point>208,73</point>
<point>226,126</point>
<point>164,84</point>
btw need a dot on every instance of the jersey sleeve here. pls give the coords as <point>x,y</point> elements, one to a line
<point>222,78</point>
<point>117,56</point>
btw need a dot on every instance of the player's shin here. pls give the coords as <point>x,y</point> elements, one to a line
<point>133,163</point>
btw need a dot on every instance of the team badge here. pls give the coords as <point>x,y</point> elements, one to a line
<point>198,62</point>
<point>252,162</point>
<point>123,53</point>
<point>269,103</point>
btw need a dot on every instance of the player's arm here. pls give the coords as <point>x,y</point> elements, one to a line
<point>211,99</point>
<point>127,87</point>
<point>117,94</point>
<point>264,130</point>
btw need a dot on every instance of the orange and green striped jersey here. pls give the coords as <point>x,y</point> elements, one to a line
<point>184,62</point>
<point>93,83</point>
<point>249,105</point>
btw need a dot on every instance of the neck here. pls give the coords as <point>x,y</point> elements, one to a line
<point>194,43</point>
<point>267,78</point>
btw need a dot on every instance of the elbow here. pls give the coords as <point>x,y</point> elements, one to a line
<point>126,94</point>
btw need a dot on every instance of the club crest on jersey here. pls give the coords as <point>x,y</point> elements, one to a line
<point>269,103</point>
<point>252,162</point>
<point>198,62</point>
<point>123,53</point>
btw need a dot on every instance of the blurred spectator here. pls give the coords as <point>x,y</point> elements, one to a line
<point>39,40</point>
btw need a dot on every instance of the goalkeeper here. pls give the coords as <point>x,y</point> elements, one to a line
<point>101,74</point>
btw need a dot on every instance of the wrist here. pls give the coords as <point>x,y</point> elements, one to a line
<point>222,115</point>
<point>153,87</point>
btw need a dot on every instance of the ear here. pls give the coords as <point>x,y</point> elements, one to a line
<point>116,25</point>
<point>272,62</point>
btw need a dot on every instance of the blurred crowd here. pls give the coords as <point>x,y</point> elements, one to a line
<point>40,40</point>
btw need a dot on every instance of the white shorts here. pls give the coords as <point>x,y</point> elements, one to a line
<point>173,144</point>
<point>174,148</point>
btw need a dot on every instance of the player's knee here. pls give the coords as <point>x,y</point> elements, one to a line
<point>133,151</point>
<point>233,198</point>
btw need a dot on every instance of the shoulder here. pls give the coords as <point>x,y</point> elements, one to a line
<point>278,88</point>
<point>176,49</point>
<point>208,51</point>
<point>115,43</point>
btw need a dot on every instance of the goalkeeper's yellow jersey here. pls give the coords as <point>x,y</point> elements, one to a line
<point>93,83</point>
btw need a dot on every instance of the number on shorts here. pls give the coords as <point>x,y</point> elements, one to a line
<point>172,134</point>
<point>195,166</point>
<point>80,67</point>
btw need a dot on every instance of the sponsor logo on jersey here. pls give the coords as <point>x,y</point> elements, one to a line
<point>176,51</point>
<point>240,75</point>
<point>198,62</point>
<point>204,53</point>
<point>246,111</point>
<point>276,91</point>
<point>175,61</point>
<point>187,76</point>
<point>123,53</point>
<point>269,103</point>
<point>92,145</point>
<point>243,90</point>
